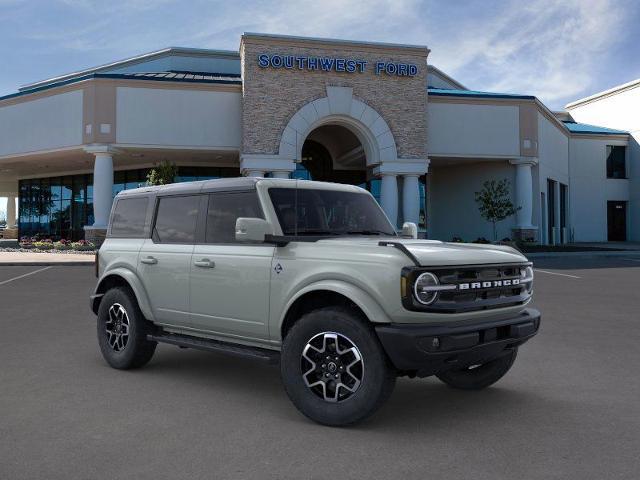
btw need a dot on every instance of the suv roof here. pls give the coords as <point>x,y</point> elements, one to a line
<point>237,183</point>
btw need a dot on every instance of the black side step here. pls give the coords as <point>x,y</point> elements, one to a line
<point>211,345</point>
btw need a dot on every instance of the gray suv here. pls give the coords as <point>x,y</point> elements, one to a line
<point>312,276</point>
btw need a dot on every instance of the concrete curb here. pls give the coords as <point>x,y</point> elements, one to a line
<point>617,253</point>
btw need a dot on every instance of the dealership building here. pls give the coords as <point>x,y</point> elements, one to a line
<point>370,114</point>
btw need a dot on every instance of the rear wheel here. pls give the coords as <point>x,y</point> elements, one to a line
<point>122,331</point>
<point>334,368</point>
<point>477,377</point>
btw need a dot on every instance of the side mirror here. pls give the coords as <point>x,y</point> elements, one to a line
<point>409,230</point>
<point>251,229</point>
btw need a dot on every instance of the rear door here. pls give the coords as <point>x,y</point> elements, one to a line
<point>164,263</point>
<point>229,279</point>
<point>616,221</point>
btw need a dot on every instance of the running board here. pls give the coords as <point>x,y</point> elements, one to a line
<point>211,345</point>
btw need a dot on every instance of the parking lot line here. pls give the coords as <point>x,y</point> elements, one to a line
<point>555,273</point>
<point>632,259</point>
<point>25,275</point>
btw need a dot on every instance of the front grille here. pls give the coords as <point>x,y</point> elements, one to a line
<point>474,287</point>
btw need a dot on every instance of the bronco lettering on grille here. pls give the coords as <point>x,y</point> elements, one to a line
<point>508,282</point>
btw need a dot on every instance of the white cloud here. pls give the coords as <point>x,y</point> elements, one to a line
<point>545,48</point>
<point>548,48</point>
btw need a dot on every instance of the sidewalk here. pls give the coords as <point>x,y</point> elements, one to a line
<point>38,259</point>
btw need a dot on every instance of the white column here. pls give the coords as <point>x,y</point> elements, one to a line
<point>102,188</point>
<point>411,198</point>
<point>524,194</point>
<point>389,197</point>
<point>255,173</point>
<point>280,174</point>
<point>11,212</point>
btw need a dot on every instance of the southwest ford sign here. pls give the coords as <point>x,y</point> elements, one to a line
<point>334,64</point>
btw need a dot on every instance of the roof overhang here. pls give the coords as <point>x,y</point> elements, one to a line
<point>606,93</point>
<point>145,57</point>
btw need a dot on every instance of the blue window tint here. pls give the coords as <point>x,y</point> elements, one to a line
<point>301,173</point>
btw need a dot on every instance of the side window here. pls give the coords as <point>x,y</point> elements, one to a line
<point>616,167</point>
<point>176,219</point>
<point>224,209</point>
<point>128,217</point>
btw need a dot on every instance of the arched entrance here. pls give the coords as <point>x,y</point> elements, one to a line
<point>339,138</point>
<point>333,153</point>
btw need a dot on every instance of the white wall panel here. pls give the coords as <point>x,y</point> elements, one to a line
<point>43,124</point>
<point>463,129</point>
<point>620,111</point>
<point>190,118</point>
<point>590,189</point>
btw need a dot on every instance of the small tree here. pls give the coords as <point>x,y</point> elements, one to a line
<point>162,174</point>
<point>494,203</point>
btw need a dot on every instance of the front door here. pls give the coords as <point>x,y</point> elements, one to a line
<point>164,262</point>
<point>229,279</point>
<point>617,221</point>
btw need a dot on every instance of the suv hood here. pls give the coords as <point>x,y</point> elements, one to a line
<point>436,253</point>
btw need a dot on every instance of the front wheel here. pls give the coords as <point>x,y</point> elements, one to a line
<point>334,368</point>
<point>477,377</point>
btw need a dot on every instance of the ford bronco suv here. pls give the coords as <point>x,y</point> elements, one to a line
<point>312,276</point>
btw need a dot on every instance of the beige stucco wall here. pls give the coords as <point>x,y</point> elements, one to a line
<point>272,96</point>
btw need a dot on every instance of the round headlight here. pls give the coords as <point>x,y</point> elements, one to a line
<point>526,277</point>
<point>422,288</point>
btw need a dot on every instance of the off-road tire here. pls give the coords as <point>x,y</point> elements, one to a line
<point>481,376</point>
<point>378,375</point>
<point>137,350</point>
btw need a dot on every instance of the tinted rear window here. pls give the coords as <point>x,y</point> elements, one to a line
<point>129,216</point>
<point>176,219</point>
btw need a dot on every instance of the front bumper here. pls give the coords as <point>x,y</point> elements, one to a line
<point>425,350</point>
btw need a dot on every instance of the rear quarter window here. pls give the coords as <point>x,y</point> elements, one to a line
<point>129,217</point>
<point>176,219</point>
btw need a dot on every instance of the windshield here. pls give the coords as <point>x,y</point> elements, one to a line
<point>328,212</point>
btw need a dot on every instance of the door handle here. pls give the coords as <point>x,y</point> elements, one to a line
<point>149,260</point>
<point>204,263</point>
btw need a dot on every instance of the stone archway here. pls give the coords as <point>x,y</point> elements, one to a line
<point>339,107</point>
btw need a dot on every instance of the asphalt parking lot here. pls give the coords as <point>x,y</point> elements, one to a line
<point>569,408</point>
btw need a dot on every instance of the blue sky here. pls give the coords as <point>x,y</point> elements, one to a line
<point>556,50</point>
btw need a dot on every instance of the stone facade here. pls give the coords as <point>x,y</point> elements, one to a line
<point>272,96</point>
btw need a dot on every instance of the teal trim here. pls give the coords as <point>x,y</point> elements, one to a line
<point>444,92</point>
<point>225,80</point>
<point>585,128</point>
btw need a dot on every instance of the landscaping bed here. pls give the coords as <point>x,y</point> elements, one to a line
<point>46,245</point>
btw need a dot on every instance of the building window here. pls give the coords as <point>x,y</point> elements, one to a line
<point>616,162</point>
<point>59,207</point>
